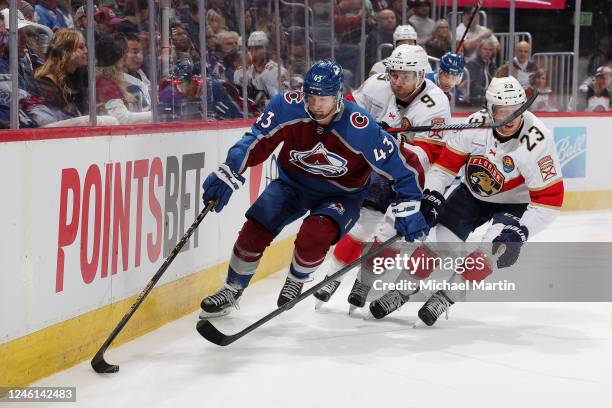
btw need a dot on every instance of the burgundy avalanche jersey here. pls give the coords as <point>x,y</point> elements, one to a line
<point>333,159</point>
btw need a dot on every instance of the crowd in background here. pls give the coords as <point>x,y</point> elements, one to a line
<point>53,76</point>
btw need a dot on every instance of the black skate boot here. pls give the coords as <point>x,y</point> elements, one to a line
<point>437,304</point>
<point>220,304</point>
<point>326,292</point>
<point>359,294</point>
<point>291,289</point>
<point>387,304</point>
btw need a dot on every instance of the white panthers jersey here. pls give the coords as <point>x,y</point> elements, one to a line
<point>429,107</point>
<point>525,169</point>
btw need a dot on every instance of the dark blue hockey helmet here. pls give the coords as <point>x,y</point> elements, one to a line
<point>452,64</point>
<point>324,78</point>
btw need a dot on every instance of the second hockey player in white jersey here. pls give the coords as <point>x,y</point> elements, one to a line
<point>512,178</point>
<point>400,98</point>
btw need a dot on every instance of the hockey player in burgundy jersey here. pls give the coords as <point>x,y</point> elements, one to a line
<point>512,178</point>
<point>399,98</point>
<point>329,150</point>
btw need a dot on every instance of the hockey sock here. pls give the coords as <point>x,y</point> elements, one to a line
<point>311,245</point>
<point>252,240</point>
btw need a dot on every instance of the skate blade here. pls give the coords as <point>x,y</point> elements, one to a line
<point>352,309</point>
<point>206,315</point>
<point>367,315</point>
<point>319,304</point>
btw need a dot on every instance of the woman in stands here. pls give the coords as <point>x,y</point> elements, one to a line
<point>112,96</point>
<point>63,82</point>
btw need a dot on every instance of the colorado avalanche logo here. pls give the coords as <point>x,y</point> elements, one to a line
<point>319,161</point>
<point>359,120</point>
<point>293,96</point>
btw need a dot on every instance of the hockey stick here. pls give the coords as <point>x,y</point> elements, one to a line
<point>212,334</point>
<point>97,362</point>
<point>467,29</point>
<point>475,125</point>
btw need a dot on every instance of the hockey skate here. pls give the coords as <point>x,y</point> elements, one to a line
<point>437,304</point>
<point>220,304</point>
<point>358,296</point>
<point>291,289</point>
<point>387,304</point>
<point>325,293</point>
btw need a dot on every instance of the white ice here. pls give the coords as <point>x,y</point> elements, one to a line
<point>486,355</point>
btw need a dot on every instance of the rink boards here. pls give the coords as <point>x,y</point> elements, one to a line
<point>89,215</point>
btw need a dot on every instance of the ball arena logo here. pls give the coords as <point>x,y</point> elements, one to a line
<point>483,177</point>
<point>571,145</point>
<point>319,161</point>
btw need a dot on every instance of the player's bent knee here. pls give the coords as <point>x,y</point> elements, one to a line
<point>476,267</point>
<point>252,240</point>
<point>315,236</point>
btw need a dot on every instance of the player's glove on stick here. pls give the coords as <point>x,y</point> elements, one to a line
<point>220,184</point>
<point>513,236</point>
<point>431,205</point>
<point>409,222</point>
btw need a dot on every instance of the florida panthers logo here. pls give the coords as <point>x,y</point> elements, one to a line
<point>293,96</point>
<point>319,161</point>
<point>359,120</point>
<point>483,177</point>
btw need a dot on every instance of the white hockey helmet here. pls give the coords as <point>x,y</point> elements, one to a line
<point>257,39</point>
<point>404,32</point>
<point>408,58</point>
<point>505,91</point>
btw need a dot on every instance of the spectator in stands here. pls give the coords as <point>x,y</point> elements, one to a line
<point>138,85</point>
<point>383,33</point>
<point>63,81</point>
<point>476,34</point>
<point>48,14</point>
<point>191,22</point>
<point>250,23</point>
<point>121,8</point>
<point>522,67</point>
<point>184,51</point>
<point>214,22</point>
<point>440,42</point>
<point>546,101</point>
<point>80,18</point>
<point>27,10</point>
<point>231,62</point>
<point>112,96</point>
<point>396,6</point>
<point>26,69</point>
<point>106,21</point>
<point>421,21</point>
<point>297,52</point>
<point>482,69</point>
<point>598,92</point>
<point>24,81</point>
<point>228,41</point>
<point>226,9</point>
<point>322,36</point>
<point>347,21</point>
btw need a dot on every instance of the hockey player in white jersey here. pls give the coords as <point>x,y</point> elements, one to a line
<point>512,178</point>
<point>397,99</point>
<point>403,34</point>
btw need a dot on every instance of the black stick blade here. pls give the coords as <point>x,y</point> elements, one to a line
<point>210,333</point>
<point>101,366</point>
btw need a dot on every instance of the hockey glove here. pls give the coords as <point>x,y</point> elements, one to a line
<point>513,237</point>
<point>219,185</point>
<point>431,205</point>
<point>409,221</point>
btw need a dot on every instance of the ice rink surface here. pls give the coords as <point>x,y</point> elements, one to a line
<point>486,355</point>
